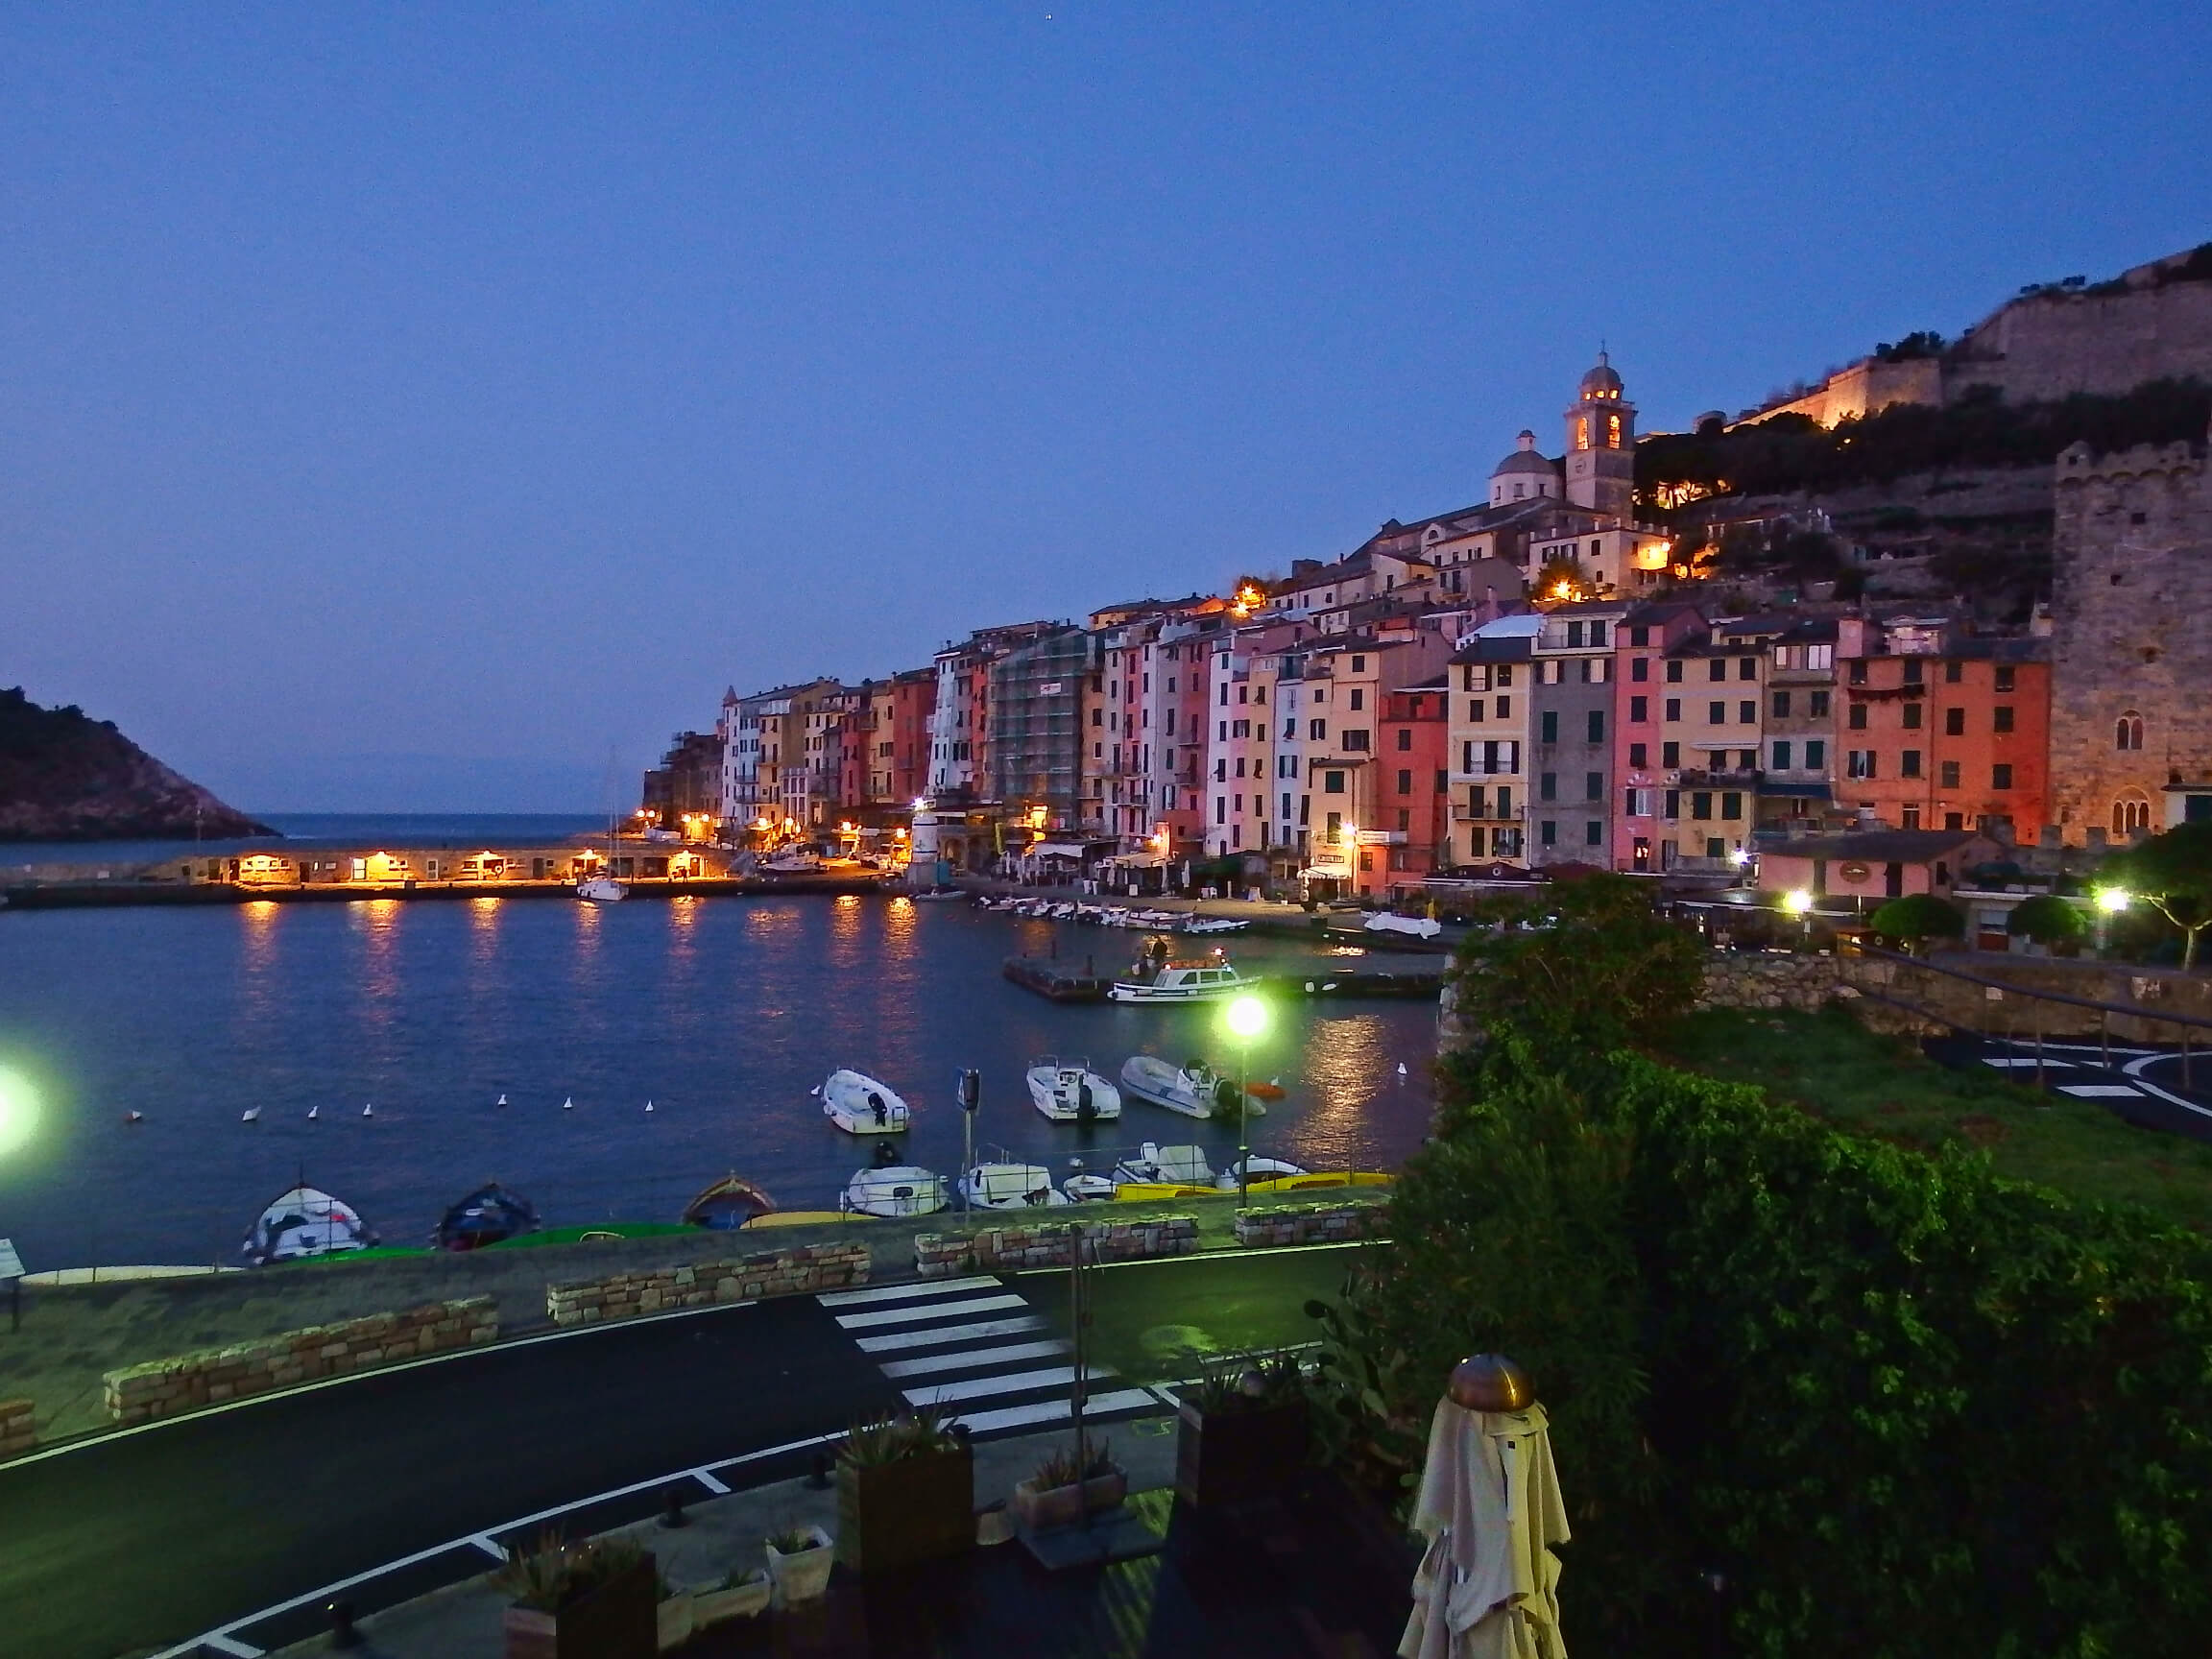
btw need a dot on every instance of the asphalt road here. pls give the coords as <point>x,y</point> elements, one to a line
<point>135,1542</point>
<point>130,1544</point>
<point>2146,1087</point>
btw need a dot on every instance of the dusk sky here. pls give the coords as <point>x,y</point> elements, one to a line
<point>409,408</point>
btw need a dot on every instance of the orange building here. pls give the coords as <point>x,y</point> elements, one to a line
<point>1412,792</point>
<point>1943,733</point>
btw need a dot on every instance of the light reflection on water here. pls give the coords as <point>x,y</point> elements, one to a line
<point>723,1013</point>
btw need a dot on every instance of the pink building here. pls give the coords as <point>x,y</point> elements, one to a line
<point>1643,771</point>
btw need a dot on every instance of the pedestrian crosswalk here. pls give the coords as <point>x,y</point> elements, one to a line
<point>978,1349</point>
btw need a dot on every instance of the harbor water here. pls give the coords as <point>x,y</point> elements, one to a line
<point>722,1013</point>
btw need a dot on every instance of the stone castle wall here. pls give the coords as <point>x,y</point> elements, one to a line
<point>705,1284</point>
<point>214,1376</point>
<point>2132,607</point>
<point>2051,345</point>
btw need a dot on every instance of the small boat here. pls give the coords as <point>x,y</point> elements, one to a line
<point>894,1189</point>
<point>1268,1091</point>
<point>301,1223</point>
<point>313,1113</point>
<point>501,1101</point>
<point>370,1110</point>
<point>1179,982</point>
<point>601,890</point>
<point>251,1115</point>
<point>484,1216</point>
<point>940,893</point>
<point>1069,1091</point>
<point>1083,1188</point>
<point>1195,1090</point>
<point>859,1105</point>
<point>727,1205</point>
<point>133,1116</point>
<point>1169,1166</point>
<point>1010,1186</point>
<point>1258,1169</point>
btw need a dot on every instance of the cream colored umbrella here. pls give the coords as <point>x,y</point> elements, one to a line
<point>1489,1506</point>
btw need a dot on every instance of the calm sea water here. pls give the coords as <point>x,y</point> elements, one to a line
<point>723,1012</point>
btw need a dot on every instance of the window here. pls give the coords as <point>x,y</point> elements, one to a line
<point>1504,801</point>
<point>1909,763</point>
<point>1637,802</point>
<point>2129,732</point>
<point>1596,629</point>
<point>2005,678</point>
<point>1316,730</point>
<point>1782,754</point>
<point>2002,717</point>
<point>1670,755</point>
<point>2001,776</point>
<point>1640,667</point>
<point>1334,830</point>
<point>1748,712</point>
<point>1220,808</point>
<point>1638,710</point>
<point>1671,804</point>
<point>1405,737</point>
<point>1947,775</point>
<point>1358,666</point>
<point>2129,813</point>
<point>1475,677</point>
<point>1549,724</point>
<point>1674,707</point>
<point>1505,708</point>
<point>1858,764</point>
<point>1574,635</point>
<point>1731,804</point>
<point>1359,697</point>
<point>1592,833</point>
<point>1548,786</point>
<point>1819,705</point>
<point>1912,716</point>
<point>1746,667</point>
<point>1781,705</point>
<point>1913,671</point>
<point>1857,718</point>
<point>1819,656</point>
<point>1547,833</point>
<point>1592,785</point>
<point>1475,709</point>
<point>1954,722</point>
<point>1332,784</point>
<point>1815,755</point>
<point>1858,674</point>
<point>1637,756</point>
<point>1675,673</point>
<point>1954,673</point>
<point>1354,740</point>
<point>1640,636</point>
<point>1909,815</point>
<point>1504,676</point>
<point>1222,771</point>
<point>1716,670</point>
<point>1404,782</point>
<point>1596,726</point>
<point>1717,713</point>
<point>1700,805</point>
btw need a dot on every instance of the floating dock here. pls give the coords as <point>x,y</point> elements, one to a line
<point>1060,980</point>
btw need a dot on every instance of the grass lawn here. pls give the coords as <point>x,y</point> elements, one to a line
<point>1866,1084</point>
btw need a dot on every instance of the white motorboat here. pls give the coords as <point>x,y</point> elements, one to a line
<point>893,1191</point>
<point>1180,982</point>
<point>859,1105</point>
<point>1174,1165</point>
<point>1258,1170</point>
<point>1417,926</point>
<point>1069,1091</point>
<point>1010,1186</point>
<point>1195,1090</point>
<point>302,1223</point>
<point>1083,1188</point>
<point>601,890</point>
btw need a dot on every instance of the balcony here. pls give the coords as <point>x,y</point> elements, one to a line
<point>1722,778</point>
<point>1463,814</point>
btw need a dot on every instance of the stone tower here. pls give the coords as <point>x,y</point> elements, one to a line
<point>1601,445</point>
<point>2131,640</point>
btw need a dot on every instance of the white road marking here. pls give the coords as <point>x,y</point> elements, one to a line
<point>2099,1091</point>
<point>2013,1061</point>
<point>719,1488</point>
<point>1006,1383</point>
<point>483,1541</point>
<point>908,1315</point>
<point>935,1335</point>
<point>232,1646</point>
<point>968,1357</point>
<point>905,1292</point>
<point>1057,1411</point>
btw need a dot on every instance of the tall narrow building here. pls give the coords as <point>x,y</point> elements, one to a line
<point>1601,445</point>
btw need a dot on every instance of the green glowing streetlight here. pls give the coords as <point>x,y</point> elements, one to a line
<point>2110,902</point>
<point>1246,1018</point>
<point>18,1111</point>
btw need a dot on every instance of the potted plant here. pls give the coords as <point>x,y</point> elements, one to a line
<point>739,1595</point>
<point>1070,1485</point>
<point>674,1616</point>
<point>905,1492</point>
<point>1240,1431</point>
<point>799,1563</point>
<point>590,1600</point>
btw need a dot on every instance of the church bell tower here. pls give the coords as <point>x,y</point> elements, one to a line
<point>1601,445</point>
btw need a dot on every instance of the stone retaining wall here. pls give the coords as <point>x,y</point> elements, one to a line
<point>703,1283</point>
<point>188,1381</point>
<point>1313,1223</point>
<point>1047,1245</point>
<point>16,1433</point>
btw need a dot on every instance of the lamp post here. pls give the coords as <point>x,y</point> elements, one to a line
<point>1246,1018</point>
<point>1798,903</point>
<point>2110,902</point>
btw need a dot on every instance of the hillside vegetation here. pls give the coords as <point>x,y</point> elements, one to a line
<point>66,777</point>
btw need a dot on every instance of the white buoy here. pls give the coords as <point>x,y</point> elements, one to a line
<point>1400,1068</point>
<point>370,1110</point>
<point>570,1104</point>
<point>502,1100</point>
<point>251,1115</point>
<point>313,1113</point>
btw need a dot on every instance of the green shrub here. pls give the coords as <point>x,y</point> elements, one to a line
<point>2047,919</point>
<point>1917,917</point>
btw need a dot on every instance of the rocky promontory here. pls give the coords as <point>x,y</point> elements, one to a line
<point>65,777</point>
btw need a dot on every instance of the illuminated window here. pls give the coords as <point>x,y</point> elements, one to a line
<point>1612,431</point>
<point>1582,432</point>
<point>2129,813</point>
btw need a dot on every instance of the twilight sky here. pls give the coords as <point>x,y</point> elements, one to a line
<point>410,408</point>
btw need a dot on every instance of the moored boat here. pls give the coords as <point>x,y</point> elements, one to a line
<point>859,1105</point>
<point>1195,1090</point>
<point>1257,1169</point>
<point>1179,982</point>
<point>304,1222</point>
<point>1010,1186</point>
<point>726,1205</point>
<point>1153,1165</point>
<point>484,1216</point>
<point>894,1189</point>
<point>601,890</point>
<point>1069,1091</point>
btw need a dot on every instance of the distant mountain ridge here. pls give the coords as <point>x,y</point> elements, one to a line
<point>66,777</point>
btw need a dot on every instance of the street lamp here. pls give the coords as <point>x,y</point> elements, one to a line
<point>18,1111</point>
<point>1246,1018</point>
<point>2110,902</point>
<point>1798,903</point>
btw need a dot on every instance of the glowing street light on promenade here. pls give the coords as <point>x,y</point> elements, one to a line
<point>2110,902</point>
<point>1798,903</point>
<point>18,1111</point>
<point>1246,1018</point>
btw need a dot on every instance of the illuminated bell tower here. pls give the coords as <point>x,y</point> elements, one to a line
<point>1601,445</point>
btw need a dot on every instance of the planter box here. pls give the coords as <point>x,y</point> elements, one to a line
<point>613,1622</point>
<point>1042,1510</point>
<point>804,1575</point>
<point>673,1622</point>
<point>893,1515</point>
<point>711,1607</point>
<point>1235,1456</point>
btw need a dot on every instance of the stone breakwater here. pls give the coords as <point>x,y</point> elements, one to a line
<point>705,1284</point>
<point>188,1381</point>
<point>17,1435</point>
<point>1313,1224</point>
<point>937,1255</point>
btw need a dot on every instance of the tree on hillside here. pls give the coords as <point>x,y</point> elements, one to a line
<point>2172,873</point>
<point>2047,920</point>
<point>1917,918</point>
<point>1562,579</point>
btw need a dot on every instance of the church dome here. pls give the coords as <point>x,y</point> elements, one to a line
<point>1524,459</point>
<point>1601,381</point>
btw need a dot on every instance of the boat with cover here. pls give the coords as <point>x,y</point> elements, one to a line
<point>1157,981</point>
<point>726,1205</point>
<point>1165,1165</point>
<point>1069,1091</point>
<point>301,1223</point>
<point>894,1189</point>
<point>1258,1170</point>
<point>859,1105</point>
<point>1195,1090</point>
<point>484,1216</point>
<point>1010,1186</point>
